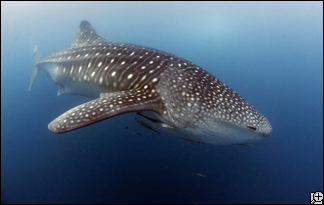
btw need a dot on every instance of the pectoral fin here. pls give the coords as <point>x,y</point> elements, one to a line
<point>107,106</point>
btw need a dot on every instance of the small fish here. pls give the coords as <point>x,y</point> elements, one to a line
<point>190,140</point>
<point>155,121</point>
<point>244,145</point>
<point>140,122</point>
<point>136,133</point>
<point>198,174</point>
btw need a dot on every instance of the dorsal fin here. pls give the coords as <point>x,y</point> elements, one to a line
<point>87,36</point>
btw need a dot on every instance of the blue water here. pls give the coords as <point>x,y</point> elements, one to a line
<point>270,53</point>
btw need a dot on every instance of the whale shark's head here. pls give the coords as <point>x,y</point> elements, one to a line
<point>207,110</point>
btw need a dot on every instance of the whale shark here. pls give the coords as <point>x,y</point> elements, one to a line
<point>167,92</point>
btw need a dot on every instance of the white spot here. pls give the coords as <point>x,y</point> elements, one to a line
<point>108,54</point>
<point>106,68</point>
<point>122,63</point>
<point>93,73</point>
<point>145,86</point>
<point>100,80</point>
<point>189,104</point>
<point>111,105</point>
<point>97,54</point>
<point>99,64</point>
<point>143,78</point>
<point>129,76</point>
<point>143,67</point>
<point>132,54</point>
<point>112,60</point>
<point>64,70</point>
<point>69,57</point>
<point>151,62</point>
<point>85,77</point>
<point>154,80</point>
<point>80,68</point>
<point>89,65</point>
<point>113,74</point>
<point>86,55</point>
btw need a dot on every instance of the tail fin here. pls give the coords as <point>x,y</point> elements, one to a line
<point>35,68</point>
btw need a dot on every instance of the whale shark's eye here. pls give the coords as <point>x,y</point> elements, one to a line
<point>253,128</point>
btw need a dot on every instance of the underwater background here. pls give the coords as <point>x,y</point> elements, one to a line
<point>271,53</point>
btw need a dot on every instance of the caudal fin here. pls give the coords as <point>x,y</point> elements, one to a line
<point>35,68</point>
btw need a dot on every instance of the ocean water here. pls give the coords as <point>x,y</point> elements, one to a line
<point>271,53</point>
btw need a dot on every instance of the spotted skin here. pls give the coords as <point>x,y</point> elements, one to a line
<point>190,102</point>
